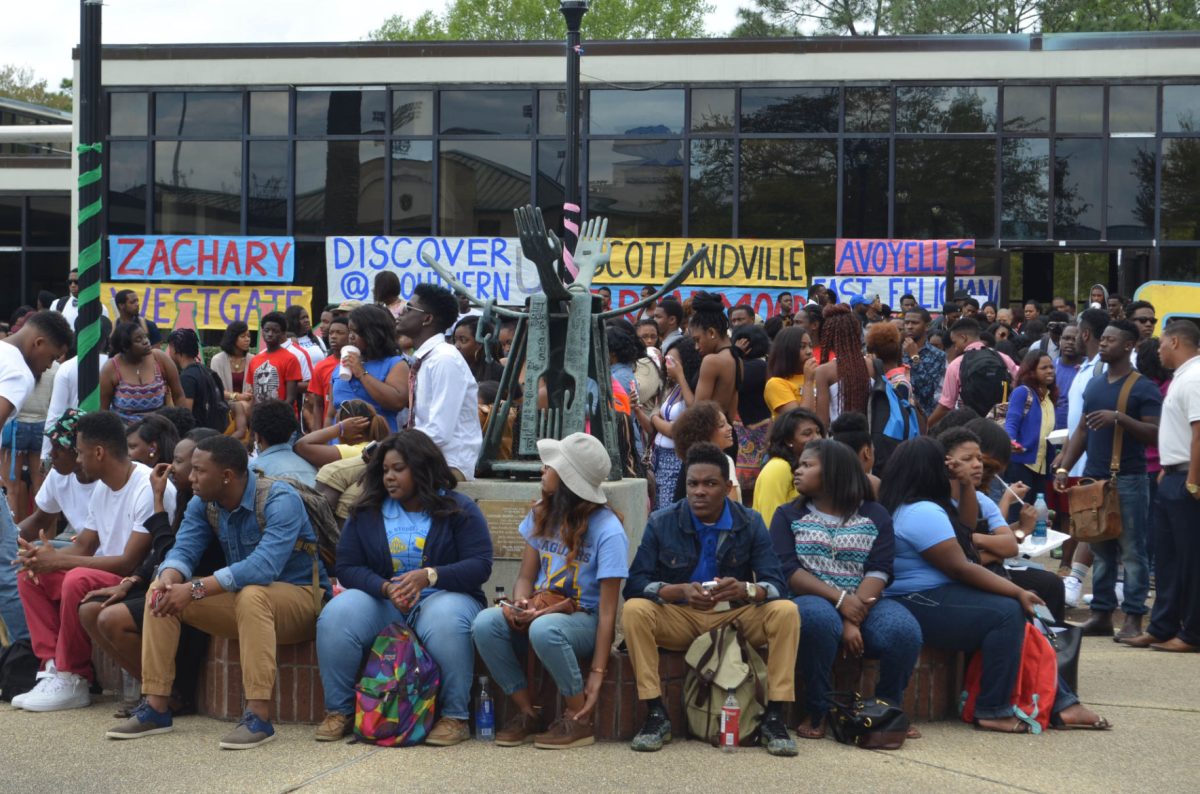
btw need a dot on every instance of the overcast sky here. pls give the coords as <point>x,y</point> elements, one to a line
<point>40,33</point>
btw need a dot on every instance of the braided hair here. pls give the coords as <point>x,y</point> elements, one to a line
<point>841,337</point>
<point>708,311</point>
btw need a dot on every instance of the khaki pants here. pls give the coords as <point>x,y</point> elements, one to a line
<point>259,618</point>
<point>650,626</point>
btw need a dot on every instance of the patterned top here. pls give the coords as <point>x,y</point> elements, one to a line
<point>927,376</point>
<point>833,550</point>
<point>132,401</point>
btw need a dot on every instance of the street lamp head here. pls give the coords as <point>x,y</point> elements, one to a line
<point>573,11</point>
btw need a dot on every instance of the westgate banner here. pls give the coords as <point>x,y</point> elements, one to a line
<point>900,257</point>
<point>266,260</point>
<point>930,292</point>
<point>772,264</point>
<point>215,307</point>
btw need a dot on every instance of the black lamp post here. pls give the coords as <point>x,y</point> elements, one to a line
<point>572,11</point>
<point>90,246</point>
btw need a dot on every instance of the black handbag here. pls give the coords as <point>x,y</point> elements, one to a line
<point>1066,645</point>
<point>872,724</point>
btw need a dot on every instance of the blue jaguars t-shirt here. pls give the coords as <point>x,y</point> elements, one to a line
<point>918,527</point>
<point>604,554</point>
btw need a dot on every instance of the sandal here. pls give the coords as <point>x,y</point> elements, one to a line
<point>1101,724</point>
<point>913,732</point>
<point>1019,727</point>
<point>807,730</point>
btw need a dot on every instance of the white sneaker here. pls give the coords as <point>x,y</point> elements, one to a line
<point>1120,589</point>
<point>44,677</point>
<point>65,691</point>
<point>1072,587</point>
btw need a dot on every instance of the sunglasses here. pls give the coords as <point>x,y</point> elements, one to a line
<point>1150,320</point>
<point>72,281</point>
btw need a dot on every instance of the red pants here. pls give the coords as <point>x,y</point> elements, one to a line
<point>52,612</point>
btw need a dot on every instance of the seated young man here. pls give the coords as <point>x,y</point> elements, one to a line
<point>269,593</point>
<point>110,544</point>
<point>273,425</point>
<point>67,490</point>
<point>708,537</point>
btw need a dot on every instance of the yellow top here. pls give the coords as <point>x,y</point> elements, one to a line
<point>1039,465</point>
<point>781,391</point>
<point>773,488</point>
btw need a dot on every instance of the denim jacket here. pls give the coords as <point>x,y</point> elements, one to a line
<point>670,550</point>
<point>254,555</point>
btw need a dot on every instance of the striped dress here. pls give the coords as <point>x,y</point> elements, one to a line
<point>132,401</point>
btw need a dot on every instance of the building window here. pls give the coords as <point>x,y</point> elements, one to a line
<point>945,189</point>
<point>49,221</point>
<point>865,187</point>
<point>339,187</point>
<point>479,184</point>
<point>1181,108</point>
<point>412,112</point>
<point>1079,108</point>
<point>710,188</point>
<point>789,189</point>
<point>1181,190</point>
<point>1078,165</point>
<point>868,108</point>
<point>320,113</point>
<point>1131,168</point>
<point>127,113</point>
<point>638,185</point>
<point>1027,108</point>
<point>931,109</point>
<point>197,187</point>
<point>197,114</point>
<point>552,112</point>
<point>268,113</point>
<point>811,110</point>
<point>486,112</point>
<point>655,112</point>
<point>267,188</point>
<point>127,187</point>
<point>1025,200</point>
<point>712,110</point>
<point>412,187</point>
<point>1133,108</point>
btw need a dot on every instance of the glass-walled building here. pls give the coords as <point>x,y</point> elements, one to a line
<point>1040,146</point>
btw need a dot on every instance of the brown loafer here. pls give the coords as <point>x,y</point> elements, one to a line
<point>519,730</point>
<point>1175,645</point>
<point>1098,625</point>
<point>565,733</point>
<point>1143,640</point>
<point>448,732</point>
<point>334,727</point>
<point>1130,629</point>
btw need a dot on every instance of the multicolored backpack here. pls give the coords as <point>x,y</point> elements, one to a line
<point>395,698</point>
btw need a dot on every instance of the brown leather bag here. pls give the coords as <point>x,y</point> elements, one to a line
<point>1095,505</point>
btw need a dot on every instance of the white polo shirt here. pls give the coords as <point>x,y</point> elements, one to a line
<point>1180,409</point>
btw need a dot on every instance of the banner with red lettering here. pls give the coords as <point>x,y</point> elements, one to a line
<point>256,260</point>
<point>210,308</point>
<point>900,257</point>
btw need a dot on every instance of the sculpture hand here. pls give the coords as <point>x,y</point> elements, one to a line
<point>592,253</point>
<point>542,247</point>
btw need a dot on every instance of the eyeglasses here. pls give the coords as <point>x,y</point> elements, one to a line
<point>1150,320</point>
<point>410,306</point>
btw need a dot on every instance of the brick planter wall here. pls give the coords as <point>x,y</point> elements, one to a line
<point>298,694</point>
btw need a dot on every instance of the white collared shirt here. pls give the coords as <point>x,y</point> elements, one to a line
<point>446,404</point>
<point>1180,409</point>
<point>1090,368</point>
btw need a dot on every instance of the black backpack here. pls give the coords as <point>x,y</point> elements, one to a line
<point>218,408</point>
<point>984,380</point>
<point>18,670</point>
<point>891,416</point>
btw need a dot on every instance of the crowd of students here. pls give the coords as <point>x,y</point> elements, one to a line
<point>838,478</point>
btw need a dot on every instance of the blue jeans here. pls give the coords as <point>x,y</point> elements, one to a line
<point>1129,548</point>
<point>890,634</point>
<point>558,640</point>
<point>350,623</point>
<point>11,610</point>
<point>961,618</point>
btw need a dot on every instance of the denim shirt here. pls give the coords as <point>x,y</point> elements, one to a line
<point>670,550</point>
<point>280,460</point>
<point>253,555</point>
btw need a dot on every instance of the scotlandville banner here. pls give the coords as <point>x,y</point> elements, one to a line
<point>495,269</point>
<point>259,260</point>
<point>216,307</point>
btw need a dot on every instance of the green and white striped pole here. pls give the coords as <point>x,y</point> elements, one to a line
<point>90,151</point>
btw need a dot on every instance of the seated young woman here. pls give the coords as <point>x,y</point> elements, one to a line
<point>564,605</point>
<point>416,551</point>
<point>959,604</point>
<point>853,430</point>
<point>836,547</point>
<point>790,432</point>
<point>355,426</point>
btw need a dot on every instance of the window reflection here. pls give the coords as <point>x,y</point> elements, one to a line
<point>486,112</point>
<point>552,112</point>
<point>339,187</point>
<point>655,112</point>
<point>946,109</point>
<point>868,109</point>
<point>638,185</point>
<point>1181,108</point>
<point>412,112</point>
<point>1181,190</point>
<point>1131,167</point>
<point>712,110</point>
<point>789,189</point>
<point>480,183</point>
<point>49,221</point>
<point>710,186</point>
<point>1077,168</point>
<point>268,112</point>
<point>1179,264</point>
<point>127,113</point>
<point>551,165</point>
<point>197,187</point>
<point>412,187</point>
<point>198,114</point>
<point>945,189</point>
<point>126,174</point>
<point>1079,108</point>
<point>790,109</point>
<point>267,188</point>
<point>1025,201</point>
<point>341,112</point>
<point>1027,108</point>
<point>1133,108</point>
<point>10,222</point>
<point>865,187</point>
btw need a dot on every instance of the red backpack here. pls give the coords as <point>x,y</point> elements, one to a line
<point>1037,682</point>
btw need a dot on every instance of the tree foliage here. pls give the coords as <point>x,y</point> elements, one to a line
<point>889,17</point>
<point>536,20</point>
<point>18,82</point>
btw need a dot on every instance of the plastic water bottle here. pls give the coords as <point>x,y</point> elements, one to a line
<point>501,595</point>
<point>485,713</point>
<point>1043,519</point>
<point>731,716</point>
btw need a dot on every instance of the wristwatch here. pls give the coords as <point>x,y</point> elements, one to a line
<point>431,573</point>
<point>751,591</point>
<point>198,589</point>
<point>1192,488</point>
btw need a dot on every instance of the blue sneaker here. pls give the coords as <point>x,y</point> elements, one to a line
<point>144,721</point>
<point>250,732</point>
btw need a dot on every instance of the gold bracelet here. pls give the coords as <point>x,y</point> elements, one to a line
<point>601,672</point>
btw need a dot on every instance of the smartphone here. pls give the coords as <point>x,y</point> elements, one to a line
<point>155,597</point>
<point>1043,614</point>
<point>710,586</point>
<point>512,606</point>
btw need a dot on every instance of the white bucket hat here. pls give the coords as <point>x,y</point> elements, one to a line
<point>581,462</point>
